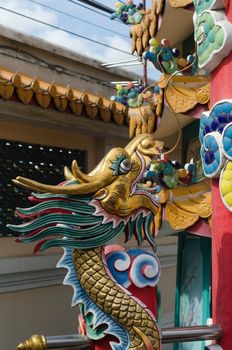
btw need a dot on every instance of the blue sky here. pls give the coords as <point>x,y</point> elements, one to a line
<point>55,36</point>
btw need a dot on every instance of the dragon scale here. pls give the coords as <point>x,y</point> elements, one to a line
<point>107,294</point>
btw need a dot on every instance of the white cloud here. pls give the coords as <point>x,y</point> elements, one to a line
<point>66,40</point>
<point>69,41</point>
<point>118,42</point>
<point>110,55</point>
<point>88,48</point>
<point>92,50</point>
<point>23,24</point>
<point>54,35</point>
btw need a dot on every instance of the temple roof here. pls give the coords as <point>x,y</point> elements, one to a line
<point>33,91</point>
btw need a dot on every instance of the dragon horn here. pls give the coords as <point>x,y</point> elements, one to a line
<point>100,177</point>
<point>132,146</point>
<point>78,174</point>
<point>102,170</point>
<point>145,143</point>
<point>83,188</point>
<point>68,174</point>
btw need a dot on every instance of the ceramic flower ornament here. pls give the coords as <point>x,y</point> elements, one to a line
<point>216,149</point>
<point>201,6</point>
<point>212,33</point>
<point>213,36</point>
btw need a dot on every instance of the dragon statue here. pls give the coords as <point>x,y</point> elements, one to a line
<point>82,215</point>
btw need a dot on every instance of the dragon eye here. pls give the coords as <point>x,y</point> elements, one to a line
<point>124,166</point>
<point>121,165</point>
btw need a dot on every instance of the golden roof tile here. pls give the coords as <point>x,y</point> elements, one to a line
<point>33,90</point>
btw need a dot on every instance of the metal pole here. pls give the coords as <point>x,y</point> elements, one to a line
<point>121,61</point>
<point>145,72</point>
<point>187,334</point>
<point>69,341</point>
<point>125,64</point>
<point>97,5</point>
<point>145,62</point>
<point>125,82</point>
<point>169,335</point>
<point>40,342</point>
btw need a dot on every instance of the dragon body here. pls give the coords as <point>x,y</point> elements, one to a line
<point>82,215</point>
<point>110,297</point>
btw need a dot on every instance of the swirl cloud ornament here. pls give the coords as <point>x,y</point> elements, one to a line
<point>134,266</point>
<point>216,147</point>
<point>201,6</point>
<point>212,33</point>
<point>213,36</point>
<point>212,154</point>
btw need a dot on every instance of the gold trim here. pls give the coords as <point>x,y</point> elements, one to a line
<point>184,93</point>
<point>186,205</point>
<point>35,342</point>
<point>185,79</point>
<point>180,3</point>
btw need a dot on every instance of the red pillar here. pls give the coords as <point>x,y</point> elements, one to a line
<point>221,88</point>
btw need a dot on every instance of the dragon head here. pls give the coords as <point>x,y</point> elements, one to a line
<point>122,197</point>
<point>91,209</point>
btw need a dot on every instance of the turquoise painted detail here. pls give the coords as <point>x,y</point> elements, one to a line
<point>56,205</point>
<point>193,285</point>
<point>168,59</point>
<point>208,36</point>
<point>165,56</point>
<point>201,6</point>
<point>64,216</point>
<point>117,165</point>
<point>74,217</point>
<point>213,35</point>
